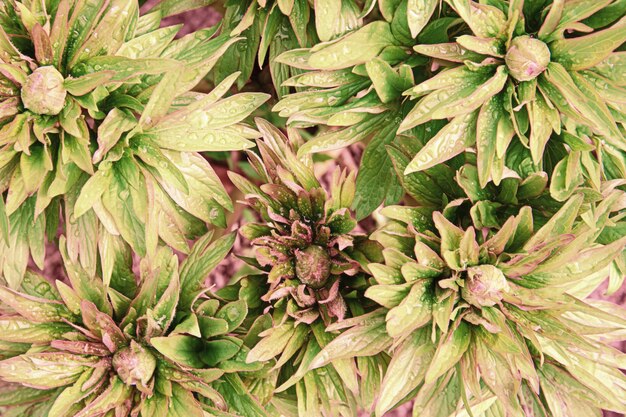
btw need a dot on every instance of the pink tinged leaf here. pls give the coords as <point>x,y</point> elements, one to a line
<point>277,217</point>
<point>278,294</point>
<point>337,308</point>
<point>81,348</point>
<point>305,316</point>
<point>343,242</point>
<point>302,298</point>
<point>102,324</point>
<point>333,293</point>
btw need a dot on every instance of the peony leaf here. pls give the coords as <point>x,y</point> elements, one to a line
<point>357,47</point>
<point>181,349</point>
<point>459,134</point>
<point>406,370</point>
<point>450,350</point>
<point>45,370</point>
<point>367,338</point>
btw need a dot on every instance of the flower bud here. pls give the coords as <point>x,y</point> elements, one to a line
<point>485,286</point>
<point>313,266</point>
<point>527,58</point>
<point>43,92</point>
<point>134,364</point>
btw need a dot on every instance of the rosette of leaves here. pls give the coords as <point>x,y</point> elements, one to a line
<point>492,320</point>
<point>94,96</point>
<point>315,273</point>
<point>516,77</point>
<point>159,348</point>
<point>454,189</point>
<point>354,85</point>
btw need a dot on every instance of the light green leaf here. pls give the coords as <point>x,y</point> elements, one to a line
<point>272,344</point>
<point>45,370</point>
<point>149,45</point>
<point>334,18</point>
<point>203,258</point>
<point>413,312</point>
<point>355,48</point>
<point>367,338</point>
<point>419,13</point>
<point>450,350</point>
<point>450,141</point>
<point>584,52</point>
<point>37,310</point>
<point>115,124</point>
<point>406,370</point>
<point>184,350</point>
<point>209,127</point>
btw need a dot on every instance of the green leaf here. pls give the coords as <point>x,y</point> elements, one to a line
<point>450,350</point>
<point>171,7</point>
<point>37,310</point>
<point>413,312</point>
<point>45,370</point>
<point>457,135</point>
<point>233,313</point>
<point>15,394</point>
<point>91,192</point>
<point>115,124</point>
<point>208,125</point>
<point>369,337</point>
<point>203,258</point>
<point>115,24</point>
<point>613,68</point>
<point>239,398</point>
<point>388,295</point>
<point>181,349</point>
<point>272,344</point>
<point>334,18</point>
<point>126,200</point>
<point>116,394</point>
<point>149,45</point>
<point>202,181</point>
<point>558,224</point>
<point>486,21</point>
<point>592,110</point>
<point>21,330</point>
<point>584,52</point>
<point>406,370</point>
<point>338,139</point>
<point>71,395</point>
<point>388,83</point>
<point>355,48</point>
<point>124,68</point>
<point>486,137</point>
<point>220,350</point>
<point>87,83</point>
<point>439,399</point>
<point>183,403</point>
<point>419,13</point>
<point>376,181</point>
<point>210,326</point>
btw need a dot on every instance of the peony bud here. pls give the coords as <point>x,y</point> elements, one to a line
<point>313,266</point>
<point>484,286</point>
<point>43,92</point>
<point>134,364</point>
<point>527,58</point>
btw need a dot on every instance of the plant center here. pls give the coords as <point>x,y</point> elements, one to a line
<point>527,58</point>
<point>134,364</point>
<point>313,266</point>
<point>43,92</point>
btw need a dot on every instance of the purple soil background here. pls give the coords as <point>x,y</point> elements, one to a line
<point>207,17</point>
